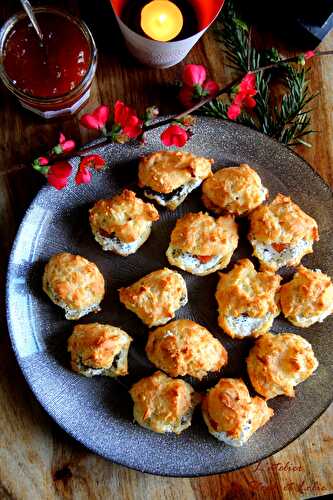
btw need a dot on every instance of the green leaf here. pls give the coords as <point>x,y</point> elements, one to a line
<point>57,149</point>
<point>241,24</point>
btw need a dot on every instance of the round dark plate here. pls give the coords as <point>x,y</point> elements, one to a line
<point>98,411</point>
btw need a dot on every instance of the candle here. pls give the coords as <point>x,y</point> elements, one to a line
<point>161,20</point>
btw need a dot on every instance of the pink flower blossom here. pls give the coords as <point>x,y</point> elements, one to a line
<point>309,54</point>
<point>195,86</point>
<point>185,96</point>
<point>93,161</point>
<point>126,118</point>
<point>58,174</point>
<point>97,119</point>
<point>174,135</point>
<point>194,74</point>
<point>211,87</point>
<point>249,102</point>
<point>234,111</point>
<point>244,97</point>
<point>248,83</point>
<point>42,160</point>
<point>66,145</point>
<point>83,176</point>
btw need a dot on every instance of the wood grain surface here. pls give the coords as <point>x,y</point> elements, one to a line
<point>39,461</point>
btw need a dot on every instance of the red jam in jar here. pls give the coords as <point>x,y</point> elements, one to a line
<point>51,77</point>
<point>51,68</point>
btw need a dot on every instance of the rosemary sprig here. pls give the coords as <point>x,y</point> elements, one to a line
<point>287,118</point>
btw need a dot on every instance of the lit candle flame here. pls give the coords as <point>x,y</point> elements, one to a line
<point>161,20</point>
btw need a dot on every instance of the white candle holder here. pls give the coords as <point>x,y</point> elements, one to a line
<point>166,54</point>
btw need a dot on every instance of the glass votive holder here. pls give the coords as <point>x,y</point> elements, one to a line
<point>166,53</point>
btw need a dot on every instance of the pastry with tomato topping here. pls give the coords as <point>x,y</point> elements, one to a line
<point>169,176</point>
<point>123,223</point>
<point>98,349</point>
<point>248,301</point>
<point>234,190</point>
<point>201,244</point>
<point>230,413</point>
<point>278,363</point>
<point>156,297</point>
<point>307,298</point>
<point>183,347</point>
<point>163,404</point>
<point>73,283</point>
<point>281,233</point>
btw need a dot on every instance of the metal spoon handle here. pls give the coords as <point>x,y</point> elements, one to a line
<point>28,8</point>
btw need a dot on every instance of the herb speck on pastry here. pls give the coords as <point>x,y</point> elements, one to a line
<point>98,349</point>
<point>169,176</point>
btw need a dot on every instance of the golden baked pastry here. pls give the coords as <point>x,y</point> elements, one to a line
<point>230,413</point>
<point>248,301</point>
<point>99,350</point>
<point>234,190</point>
<point>163,404</point>
<point>281,233</point>
<point>183,347</point>
<point>73,283</point>
<point>307,298</point>
<point>169,176</point>
<point>123,223</point>
<point>277,363</point>
<point>156,297</point>
<point>201,244</point>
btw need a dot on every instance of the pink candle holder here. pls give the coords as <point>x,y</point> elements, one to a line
<point>166,54</point>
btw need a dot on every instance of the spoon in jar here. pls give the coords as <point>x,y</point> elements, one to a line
<point>28,8</point>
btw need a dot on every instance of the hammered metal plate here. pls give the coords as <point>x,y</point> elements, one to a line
<point>98,411</point>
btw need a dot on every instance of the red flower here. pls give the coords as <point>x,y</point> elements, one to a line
<point>211,87</point>
<point>194,74</point>
<point>244,97</point>
<point>234,111</point>
<point>174,135</point>
<point>66,145</point>
<point>126,118</point>
<point>93,161</point>
<point>83,176</point>
<point>249,102</point>
<point>42,160</point>
<point>58,174</point>
<point>194,85</point>
<point>248,83</point>
<point>185,96</point>
<point>97,119</point>
<point>309,54</point>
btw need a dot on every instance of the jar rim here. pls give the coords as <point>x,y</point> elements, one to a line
<point>7,28</point>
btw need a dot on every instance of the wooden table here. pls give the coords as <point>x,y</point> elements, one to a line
<point>39,461</point>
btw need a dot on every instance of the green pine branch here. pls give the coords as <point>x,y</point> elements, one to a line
<point>287,118</point>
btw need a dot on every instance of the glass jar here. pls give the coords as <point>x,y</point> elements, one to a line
<point>47,92</point>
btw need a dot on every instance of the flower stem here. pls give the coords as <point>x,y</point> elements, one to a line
<point>157,124</point>
<point>228,87</point>
<point>223,90</point>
